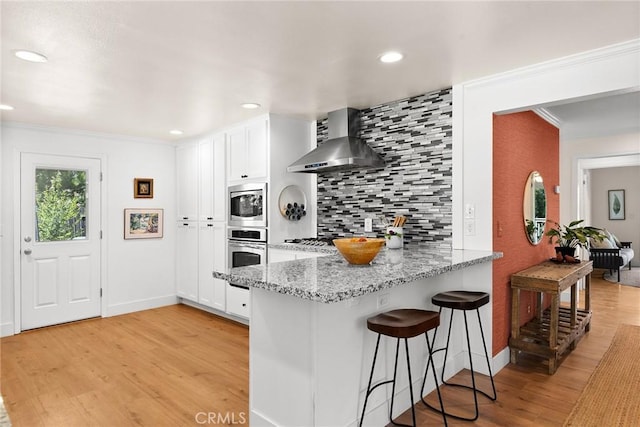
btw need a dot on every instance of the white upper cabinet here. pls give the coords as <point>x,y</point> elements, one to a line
<point>206,171</point>
<point>187,177</point>
<point>212,179</point>
<point>247,151</point>
<point>219,178</point>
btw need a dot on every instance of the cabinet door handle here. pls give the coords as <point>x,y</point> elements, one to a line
<point>244,305</point>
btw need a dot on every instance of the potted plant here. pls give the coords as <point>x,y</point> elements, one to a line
<point>569,237</point>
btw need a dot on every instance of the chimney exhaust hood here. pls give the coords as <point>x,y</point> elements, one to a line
<point>342,151</point>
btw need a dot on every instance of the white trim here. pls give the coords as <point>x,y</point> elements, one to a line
<point>604,53</point>
<point>82,132</point>
<point>139,305</point>
<point>17,271</point>
<point>547,116</point>
<point>6,329</point>
<point>500,360</point>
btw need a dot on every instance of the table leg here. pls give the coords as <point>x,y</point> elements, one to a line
<point>515,321</point>
<point>573,312</point>
<point>540,307</point>
<point>553,331</point>
<point>587,298</point>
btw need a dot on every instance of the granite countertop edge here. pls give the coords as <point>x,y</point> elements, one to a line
<point>333,296</point>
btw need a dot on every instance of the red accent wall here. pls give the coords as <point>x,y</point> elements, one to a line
<point>522,142</point>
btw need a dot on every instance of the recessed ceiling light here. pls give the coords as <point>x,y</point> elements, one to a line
<point>30,56</point>
<point>6,107</point>
<point>176,132</point>
<point>389,57</point>
<point>250,105</point>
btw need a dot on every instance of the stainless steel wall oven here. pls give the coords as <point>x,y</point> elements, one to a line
<point>248,205</point>
<point>247,246</point>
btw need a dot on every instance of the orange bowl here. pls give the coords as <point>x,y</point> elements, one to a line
<point>359,250</point>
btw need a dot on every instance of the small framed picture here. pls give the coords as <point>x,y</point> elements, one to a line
<point>143,223</point>
<point>143,188</point>
<point>616,204</point>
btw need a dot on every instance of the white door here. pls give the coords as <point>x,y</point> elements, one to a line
<point>59,239</point>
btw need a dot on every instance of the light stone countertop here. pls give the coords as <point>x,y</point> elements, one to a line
<point>331,279</point>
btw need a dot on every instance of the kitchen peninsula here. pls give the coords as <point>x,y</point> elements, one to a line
<point>310,350</point>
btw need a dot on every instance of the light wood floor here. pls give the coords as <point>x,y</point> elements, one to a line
<point>162,367</point>
<point>527,395</point>
<point>158,367</point>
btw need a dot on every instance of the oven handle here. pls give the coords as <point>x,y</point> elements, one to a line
<point>247,244</point>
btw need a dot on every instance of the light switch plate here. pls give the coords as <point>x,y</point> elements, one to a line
<point>469,227</point>
<point>469,210</point>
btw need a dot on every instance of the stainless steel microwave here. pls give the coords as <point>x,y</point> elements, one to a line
<point>248,205</point>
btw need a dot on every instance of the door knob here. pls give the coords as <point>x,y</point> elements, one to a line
<point>27,251</point>
<point>27,239</point>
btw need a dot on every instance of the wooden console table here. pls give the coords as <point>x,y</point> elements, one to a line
<point>555,329</point>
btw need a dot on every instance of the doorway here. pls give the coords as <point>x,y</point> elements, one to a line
<point>60,231</point>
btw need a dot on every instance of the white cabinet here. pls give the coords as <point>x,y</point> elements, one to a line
<point>211,256</point>
<point>187,260</point>
<point>238,301</point>
<point>187,181</point>
<point>201,226</point>
<point>211,182</point>
<point>247,149</point>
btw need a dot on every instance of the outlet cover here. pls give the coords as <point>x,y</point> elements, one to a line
<point>368,225</point>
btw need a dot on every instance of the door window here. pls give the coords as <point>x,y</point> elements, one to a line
<point>60,204</point>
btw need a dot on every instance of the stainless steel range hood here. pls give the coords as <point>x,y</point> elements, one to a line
<point>342,151</point>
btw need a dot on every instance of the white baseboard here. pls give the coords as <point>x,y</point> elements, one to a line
<point>6,329</point>
<point>501,360</point>
<point>146,304</point>
<point>214,311</point>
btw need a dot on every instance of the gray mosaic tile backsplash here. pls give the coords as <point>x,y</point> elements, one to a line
<point>413,135</point>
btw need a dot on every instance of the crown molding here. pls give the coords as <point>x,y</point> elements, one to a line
<point>548,116</point>
<point>595,55</point>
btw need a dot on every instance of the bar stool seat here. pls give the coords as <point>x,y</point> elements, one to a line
<point>463,301</point>
<point>402,323</point>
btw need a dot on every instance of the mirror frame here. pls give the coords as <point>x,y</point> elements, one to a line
<point>534,203</point>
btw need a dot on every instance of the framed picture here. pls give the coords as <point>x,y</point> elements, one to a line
<point>143,188</point>
<point>143,223</point>
<point>616,204</point>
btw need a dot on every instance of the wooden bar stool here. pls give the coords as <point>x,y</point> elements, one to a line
<point>402,323</point>
<point>464,301</point>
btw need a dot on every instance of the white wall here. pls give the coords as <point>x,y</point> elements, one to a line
<point>137,274</point>
<point>622,178</point>
<point>580,155</point>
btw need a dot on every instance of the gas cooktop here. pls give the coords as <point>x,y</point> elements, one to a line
<point>312,241</point>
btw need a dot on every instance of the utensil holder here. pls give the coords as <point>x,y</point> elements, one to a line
<point>394,237</point>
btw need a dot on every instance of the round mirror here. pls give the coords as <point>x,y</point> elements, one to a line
<point>534,208</point>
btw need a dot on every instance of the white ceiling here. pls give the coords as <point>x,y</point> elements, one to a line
<point>143,68</point>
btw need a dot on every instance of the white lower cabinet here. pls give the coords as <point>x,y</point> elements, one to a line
<point>187,260</point>
<point>201,249</point>
<point>238,301</point>
<point>211,256</point>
